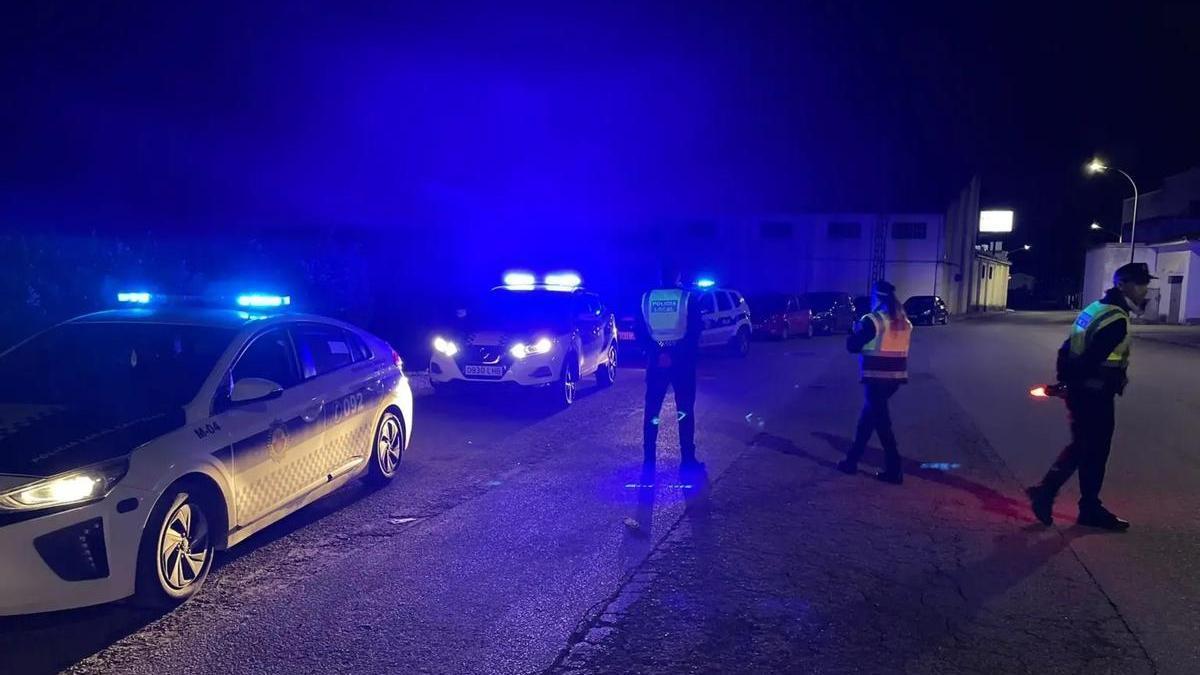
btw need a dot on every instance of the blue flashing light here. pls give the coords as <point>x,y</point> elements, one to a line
<point>564,280</point>
<point>256,300</point>
<point>137,297</point>
<point>705,283</point>
<point>519,279</point>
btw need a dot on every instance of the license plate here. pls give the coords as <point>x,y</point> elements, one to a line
<point>485,371</point>
<point>625,335</point>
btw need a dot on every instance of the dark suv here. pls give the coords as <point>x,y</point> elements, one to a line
<point>926,309</point>
<point>831,312</point>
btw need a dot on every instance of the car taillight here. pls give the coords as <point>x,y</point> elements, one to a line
<point>397,360</point>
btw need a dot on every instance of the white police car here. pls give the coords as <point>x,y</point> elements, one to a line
<point>726,318</point>
<point>526,334</point>
<point>136,442</point>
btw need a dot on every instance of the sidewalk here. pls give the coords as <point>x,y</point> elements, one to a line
<point>786,565</point>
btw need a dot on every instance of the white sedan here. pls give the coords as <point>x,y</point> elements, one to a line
<point>134,443</point>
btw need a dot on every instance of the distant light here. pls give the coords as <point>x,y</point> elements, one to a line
<point>257,300</point>
<point>563,279</point>
<point>1096,226</point>
<point>941,466</point>
<point>996,220</point>
<point>139,297</point>
<point>1027,247</point>
<point>705,283</point>
<point>1096,166</point>
<point>519,279</point>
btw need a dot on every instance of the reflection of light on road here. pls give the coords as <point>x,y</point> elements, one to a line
<point>941,466</point>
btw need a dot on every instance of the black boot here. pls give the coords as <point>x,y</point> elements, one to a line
<point>1098,516</point>
<point>1041,500</point>
<point>893,476</point>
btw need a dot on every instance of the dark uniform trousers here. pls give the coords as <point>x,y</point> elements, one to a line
<point>875,418</point>
<point>1093,418</point>
<point>682,378</point>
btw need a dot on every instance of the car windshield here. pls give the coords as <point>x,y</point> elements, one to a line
<point>134,368</point>
<point>919,302</point>
<point>768,303</point>
<point>821,302</point>
<point>503,307</point>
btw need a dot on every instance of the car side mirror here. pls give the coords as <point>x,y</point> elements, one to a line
<point>254,389</point>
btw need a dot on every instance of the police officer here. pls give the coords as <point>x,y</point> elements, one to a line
<point>881,338</point>
<point>1092,364</point>
<point>669,331</point>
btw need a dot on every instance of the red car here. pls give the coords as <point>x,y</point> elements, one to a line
<point>780,316</point>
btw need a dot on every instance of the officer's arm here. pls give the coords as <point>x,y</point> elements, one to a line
<point>642,332</point>
<point>862,333</point>
<point>695,321</point>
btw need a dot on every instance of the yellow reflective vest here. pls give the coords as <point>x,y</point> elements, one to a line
<point>1091,320</point>
<point>885,357</point>
<point>666,313</point>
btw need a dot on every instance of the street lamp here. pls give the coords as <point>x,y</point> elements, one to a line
<point>1026,247</point>
<point>1096,227</point>
<point>1096,166</point>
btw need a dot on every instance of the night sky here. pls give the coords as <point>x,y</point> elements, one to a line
<point>122,116</point>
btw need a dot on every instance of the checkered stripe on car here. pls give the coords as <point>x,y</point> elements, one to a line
<point>287,481</point>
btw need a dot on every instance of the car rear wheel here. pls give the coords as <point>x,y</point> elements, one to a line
<point>176,550</point>
<point>386,450</point>
<point>608,371</point>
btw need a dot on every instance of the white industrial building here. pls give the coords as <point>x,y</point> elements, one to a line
<point>1168,240</point>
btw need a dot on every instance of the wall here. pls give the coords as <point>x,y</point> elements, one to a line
<point>1178,263</point>
<point>1101,262</point>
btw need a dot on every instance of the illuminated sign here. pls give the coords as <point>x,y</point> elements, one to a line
<point>996,221</point>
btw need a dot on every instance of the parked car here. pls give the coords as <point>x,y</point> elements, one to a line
<point>780,316</point>
<point>926,309</point>
<point>832,312</point>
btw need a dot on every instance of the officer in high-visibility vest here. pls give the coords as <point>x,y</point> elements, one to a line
<point>881,338</point>
<point>669,331</point>
<point>1092,364</point>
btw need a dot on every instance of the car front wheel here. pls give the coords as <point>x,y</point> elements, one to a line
<point>176,551</point>
<point>608,371</point>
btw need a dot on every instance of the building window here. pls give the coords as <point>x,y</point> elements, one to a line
<point>908,230</point>
<point>990,270</point>
<point>841,230</point>
<point>702,229</point>
<point>775,230</point>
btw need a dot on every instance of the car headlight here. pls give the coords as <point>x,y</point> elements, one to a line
<point>75,487</point>
<point>521,350</point>
<point>444,346</point>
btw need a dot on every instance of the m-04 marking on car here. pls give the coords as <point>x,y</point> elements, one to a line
<point>207,430</point>
<point>347,407</point>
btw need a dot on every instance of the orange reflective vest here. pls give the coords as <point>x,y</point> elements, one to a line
<point>885,357</point>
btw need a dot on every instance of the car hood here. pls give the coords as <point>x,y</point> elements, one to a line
<point>42,440</point>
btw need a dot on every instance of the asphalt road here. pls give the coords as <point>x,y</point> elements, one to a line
<point>502,546</point>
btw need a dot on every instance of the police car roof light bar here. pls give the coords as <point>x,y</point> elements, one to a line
<point>705,283</point>
<point>135,297</point>
<point>563,279</point>
<point>519,279</point>
<point>260,300</point>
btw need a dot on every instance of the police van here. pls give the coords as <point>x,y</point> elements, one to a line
<point>137,442</point>
<point>533,335</point>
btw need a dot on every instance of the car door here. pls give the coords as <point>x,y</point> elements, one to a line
<point>726,317</point>
<point>711,334</point>
<point>341,365</point>
<point>273,441</point>
<point>586,309</point>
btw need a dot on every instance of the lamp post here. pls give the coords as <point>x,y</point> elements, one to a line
<point>1096,166</point>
